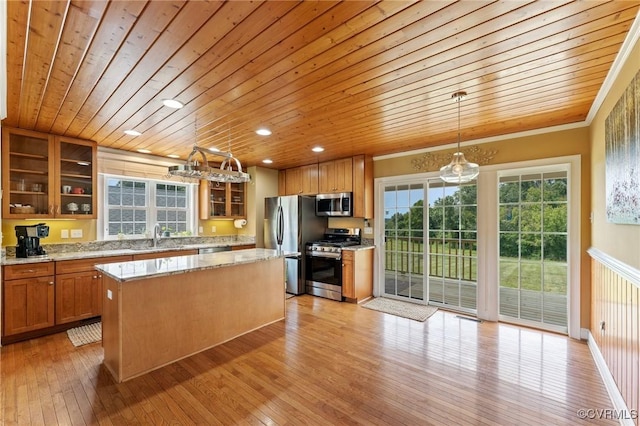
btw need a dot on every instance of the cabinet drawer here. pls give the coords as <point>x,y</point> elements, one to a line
<point>84,265</point>
<point>28,270</point>
<point>348,255</point>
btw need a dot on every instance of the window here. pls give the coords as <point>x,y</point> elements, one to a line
<point>133,206</point>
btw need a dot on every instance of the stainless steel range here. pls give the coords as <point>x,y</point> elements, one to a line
<point>324,262</point>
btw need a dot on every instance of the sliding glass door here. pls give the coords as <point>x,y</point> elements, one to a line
<point>431,250</point>
<point>533,241</point>
<point>404,248</point>
<point>452,249</point>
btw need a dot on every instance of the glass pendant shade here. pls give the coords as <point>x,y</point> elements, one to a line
<point>459,170</point>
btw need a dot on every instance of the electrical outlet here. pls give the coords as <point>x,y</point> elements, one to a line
<point>64,233</point>
<point>368,230</point>
<point>200,230</point>
<point>213,229</point>
<point>76,233</point>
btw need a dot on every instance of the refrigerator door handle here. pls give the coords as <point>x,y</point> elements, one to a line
<point>280,227</point>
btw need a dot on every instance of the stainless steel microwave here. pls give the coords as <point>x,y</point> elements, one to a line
<point>338,204</point>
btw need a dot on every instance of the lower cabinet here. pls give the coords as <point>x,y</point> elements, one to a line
<point>243,247</point>
<point>161,254</point>
<point>79,288</point>
<point>78,296</point>
<point>357,275</point>
<point>28,304</point>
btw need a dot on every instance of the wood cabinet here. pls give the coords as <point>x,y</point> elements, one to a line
<point>353,174</point>
<point>363,186</point>
<point>335,176</point>
<point>47,176</point>
<point>222,200</point>
<point>243,247</point>
<point>357,275</point>
<point>301,180</point>
<point>78,289</point>
<point>161,254</point>
<point>27,303</point>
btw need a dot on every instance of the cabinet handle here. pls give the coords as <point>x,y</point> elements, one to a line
<point>57,209</point>
<point>95,277</point>
<point>31,271</point>
<point>50,282</point>
<point>51,209</point>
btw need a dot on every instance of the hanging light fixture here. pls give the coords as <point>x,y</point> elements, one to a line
<point>459,170</point>
<point>201,170</point>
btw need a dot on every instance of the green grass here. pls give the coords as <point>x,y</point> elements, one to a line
<point>405,256</point>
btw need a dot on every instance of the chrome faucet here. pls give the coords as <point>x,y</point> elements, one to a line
<point>156,234</point>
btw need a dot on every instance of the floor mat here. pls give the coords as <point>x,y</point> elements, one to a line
<point>401,309</point>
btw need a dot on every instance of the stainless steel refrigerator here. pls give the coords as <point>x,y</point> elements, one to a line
<point>289,223</point>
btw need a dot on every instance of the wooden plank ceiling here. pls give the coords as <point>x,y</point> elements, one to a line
<point>354,77</point>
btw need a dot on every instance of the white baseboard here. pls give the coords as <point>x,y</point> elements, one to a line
<point>584,334</point>
<point>610,384</point>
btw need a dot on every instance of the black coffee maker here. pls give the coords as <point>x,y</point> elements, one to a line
<point>29,240</point>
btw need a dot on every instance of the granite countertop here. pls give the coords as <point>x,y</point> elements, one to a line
<point>141,269</point>
<point>359,247</point>
<point>75,255</point>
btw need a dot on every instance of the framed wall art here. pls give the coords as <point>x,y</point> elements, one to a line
<point>622,157</point>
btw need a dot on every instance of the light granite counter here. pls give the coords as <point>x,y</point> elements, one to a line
<point>142,269</point>
<point>359,247</point>
<point>87,254</point>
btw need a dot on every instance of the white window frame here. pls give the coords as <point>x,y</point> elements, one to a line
<point>103,222</point>
<point>487,237</point>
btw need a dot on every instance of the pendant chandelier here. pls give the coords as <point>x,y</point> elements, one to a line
<point>459,170</point>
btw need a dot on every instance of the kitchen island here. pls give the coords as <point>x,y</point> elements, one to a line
<point>158,311</point>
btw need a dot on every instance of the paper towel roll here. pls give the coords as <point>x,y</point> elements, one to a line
<point>239,223</point>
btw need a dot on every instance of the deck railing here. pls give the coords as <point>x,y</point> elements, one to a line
<point>448,258</point>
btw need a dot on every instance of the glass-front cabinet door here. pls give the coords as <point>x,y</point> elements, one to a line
<point>47,176</point>
<point>27,177</point>
<point>222,200</point>
<point>76,175</point>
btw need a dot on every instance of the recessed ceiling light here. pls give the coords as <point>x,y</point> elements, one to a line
<point>214,149</point>
<point>143,151</point>
<point>172,103</point>
<point>317,149</point>
<point>132,132</point>
<point>173,156</point>
<point>267,161</point>
<point>263,131</point>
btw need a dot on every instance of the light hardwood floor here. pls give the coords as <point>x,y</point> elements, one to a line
<point>327,363</point>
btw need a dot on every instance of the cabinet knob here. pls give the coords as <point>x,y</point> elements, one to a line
<point>95,277</point>
<point>50,282</point>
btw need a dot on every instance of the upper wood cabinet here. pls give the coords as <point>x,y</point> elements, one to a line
<point>353,174</point>
<point>48,176</point>
<point>363,186</point>
<point>301,180</point>
<point>222,200</point>
<point>335,176</point>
